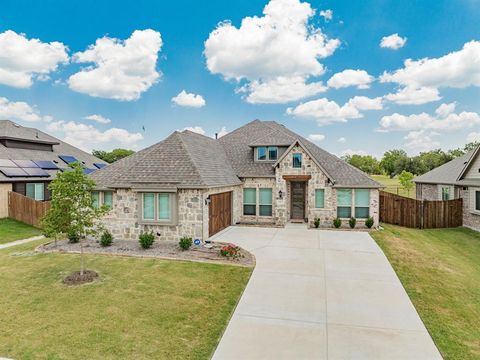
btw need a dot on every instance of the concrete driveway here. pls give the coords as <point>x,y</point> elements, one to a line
<point>320,294</point>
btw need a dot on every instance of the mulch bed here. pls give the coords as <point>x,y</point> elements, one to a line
<point>164,249</point>
<point>76,278</point>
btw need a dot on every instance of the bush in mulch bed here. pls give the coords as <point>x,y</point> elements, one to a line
<point>76,279</point>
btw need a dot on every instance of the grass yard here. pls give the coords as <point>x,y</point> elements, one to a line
<point>11,230</point>
<point>141,308</point>
<point>440,269</point>
<point>393,186</point>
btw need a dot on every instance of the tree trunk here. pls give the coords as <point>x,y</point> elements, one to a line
<point>82,260</point>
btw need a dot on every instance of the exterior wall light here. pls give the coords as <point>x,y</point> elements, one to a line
<point>208,200</point>
<point>280,194</point>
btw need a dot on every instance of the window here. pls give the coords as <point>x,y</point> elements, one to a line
<point>108,199</point>
<point>96,199</point>
<point>319,198</point>
<point>477,200</point>
<point>297,161</point>
<point>272,153</point>
<point>446,193</point>
<point>249,201</point>
<point>148,206</point>
<point>163,206</point>
<point>35,191</point>
<point>344,203</point>
<point>265,202</point>
<point>362,203</point>
<point>262,153</point>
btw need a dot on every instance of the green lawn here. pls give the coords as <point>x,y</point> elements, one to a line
<point>11,230</point>
<point>393,186</point>
<point>141,308</point>
<point>440,269</point>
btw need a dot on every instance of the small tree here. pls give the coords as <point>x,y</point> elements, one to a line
<point>72,209</point>
<point>405,179</point>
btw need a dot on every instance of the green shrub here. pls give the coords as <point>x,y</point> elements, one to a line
<point>106,239</point>
<point>337,222</point>
<point>352,222</point>
<point>146,239</point>
<point>185,243</point>
<point>369,222</point>
<point>316,222</point>
<point>73,237</point>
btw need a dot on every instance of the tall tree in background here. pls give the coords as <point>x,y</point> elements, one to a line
<point>392,161</point>
<point>405,178</point>
<point>366,163</point>
<point>112,156</point>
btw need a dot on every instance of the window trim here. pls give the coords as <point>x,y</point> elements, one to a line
<point>267,153</point>
<point>293,160</point>
<point>173,220</point>
<point>354,200</point>
<point>260,204</point>
<point>101,198</point>
<point>276,152</point>
<point>443,188</point>
<point>249,204</point>
<point>476,207</point>
<point>35,190</point>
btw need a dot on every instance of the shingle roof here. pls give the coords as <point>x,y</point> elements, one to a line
<point>238,148</point>
<point>10,130</point>
<point>184,159</point>
<point>448,173</point>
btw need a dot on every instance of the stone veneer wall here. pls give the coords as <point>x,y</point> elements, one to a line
<point>259,183</point>
<point>427,191</point>
<point>470,219</point>
<point>124,221</point>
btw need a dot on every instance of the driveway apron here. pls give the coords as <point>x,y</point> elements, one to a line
<point>321,294</point>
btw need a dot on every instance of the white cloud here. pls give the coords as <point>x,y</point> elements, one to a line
<point>325,111</point>
<point>444,120</point>
<point>414,96</point>
<point>393,42</point>
<point>189,100</point>
<point>279,49</point>
<point>354,152</point>
<point>22,60</point>
<point>359,78</point>
<point>11,110</point>
<point>98,118</point>
<point>326,14</point>
<point>281,90</point>
<point>316,138</point>
<point>458,69</point>
<point>223,131</point>
<point>445,109</point>
<point>342,140</point>
<point>122,69</point>
<point>88,136</point>
<point>195,129</point>
<point>473,137</point>
<point>421,140</point>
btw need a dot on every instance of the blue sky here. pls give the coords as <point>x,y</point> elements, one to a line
<point>48,83</point>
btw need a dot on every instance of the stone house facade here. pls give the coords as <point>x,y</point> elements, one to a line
<point>262,173</point>
<point>457,179</point>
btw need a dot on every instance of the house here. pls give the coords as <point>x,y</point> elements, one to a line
<point>261,173</point>
<point>459,178</point>
<point>30,159</point>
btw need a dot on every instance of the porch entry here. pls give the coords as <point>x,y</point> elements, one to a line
<point>297,200</point>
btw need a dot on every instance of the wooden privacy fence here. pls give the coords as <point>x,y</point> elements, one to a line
<point>25,209</point>
<point>422,214</point>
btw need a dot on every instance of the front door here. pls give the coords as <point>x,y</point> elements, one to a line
<point>298,200</point>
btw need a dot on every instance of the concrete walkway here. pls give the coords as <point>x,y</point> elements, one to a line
<point>19,242</point>
<point>320,294</point>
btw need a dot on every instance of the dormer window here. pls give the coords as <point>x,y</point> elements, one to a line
<point>267,153</point>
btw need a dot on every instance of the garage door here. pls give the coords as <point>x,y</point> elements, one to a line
<point>220,212</point>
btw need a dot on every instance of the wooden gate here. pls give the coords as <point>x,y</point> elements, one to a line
<point>422,214</point>
<point>220,212</point>
<point>25,209</point>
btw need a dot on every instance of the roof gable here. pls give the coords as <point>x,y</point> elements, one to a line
<point>473,158</point>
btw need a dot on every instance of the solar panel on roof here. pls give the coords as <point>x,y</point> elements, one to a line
<point>36,172</point>
<point>68,159</point>
<point>25,163</point>
<point>99,165</point>
<point>88,171</point>
<point>7,163</point>
<point>46,164</point>
<point>13,172</point>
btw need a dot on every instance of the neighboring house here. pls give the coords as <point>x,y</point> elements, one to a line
<point>30,159</point>
<point>459,178</point>
<point>261,173</point>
